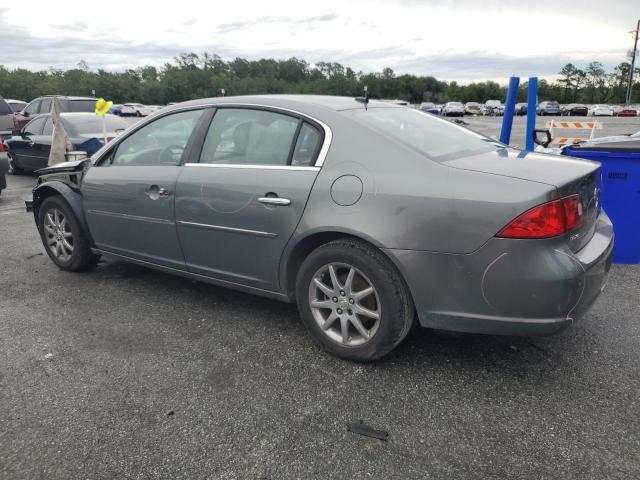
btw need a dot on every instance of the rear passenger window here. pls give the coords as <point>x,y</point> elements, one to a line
<point>45,106</point>
<point>249,137</point>
<point>306,146</point>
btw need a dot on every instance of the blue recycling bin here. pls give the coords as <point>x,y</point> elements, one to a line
<point>620,195</point>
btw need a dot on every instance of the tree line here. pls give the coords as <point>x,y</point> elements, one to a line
<point>192,76</point>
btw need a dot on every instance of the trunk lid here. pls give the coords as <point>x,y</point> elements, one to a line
<point>569,176</point>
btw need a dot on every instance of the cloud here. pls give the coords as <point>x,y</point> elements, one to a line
<point>465,40</point>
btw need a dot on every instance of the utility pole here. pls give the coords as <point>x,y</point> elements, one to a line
<point>633,63</point>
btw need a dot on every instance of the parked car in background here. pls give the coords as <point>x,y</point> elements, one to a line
<point>140,109</point>
<point>548,108</point>
<point>123,110</point>
<point>521,108</point>
<point>575,110</point>
<point>43,105</point>
<point>601,111</point>
<point>261,194</point>
<point>6,119</point>
<point>29,150</point>
<point>616,143</point>
<point>628,111</point>
<point>493,108</point>
<point>472,108</point>
<point>429,107</point>
<point>453,109</point>
<point>16,105</point>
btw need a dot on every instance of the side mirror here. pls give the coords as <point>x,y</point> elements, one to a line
<point>542,137</point>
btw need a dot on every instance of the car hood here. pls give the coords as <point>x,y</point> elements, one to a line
<point>554,170</point>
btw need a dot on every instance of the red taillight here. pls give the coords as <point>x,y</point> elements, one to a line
<point>547,220</point>
<point>1,145</point>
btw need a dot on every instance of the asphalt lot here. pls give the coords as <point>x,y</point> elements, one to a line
<point>125,372</point>
<point>610,126</point>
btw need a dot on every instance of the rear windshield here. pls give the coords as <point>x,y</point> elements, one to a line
<point>82,105</point>
<point>17,106</point>
<point>438,139</point>
<point>85,125</point>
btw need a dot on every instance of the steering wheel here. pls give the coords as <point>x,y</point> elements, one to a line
<point>169,153</point>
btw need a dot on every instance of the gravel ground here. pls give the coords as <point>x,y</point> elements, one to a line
<point>125,372</point>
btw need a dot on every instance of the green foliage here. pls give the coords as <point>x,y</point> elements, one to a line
<point>192,76</point>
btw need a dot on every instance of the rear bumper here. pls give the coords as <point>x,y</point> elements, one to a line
<point>508,287</point>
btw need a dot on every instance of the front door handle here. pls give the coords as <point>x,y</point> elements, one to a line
<point>275,201</point>
<point>154,192</point>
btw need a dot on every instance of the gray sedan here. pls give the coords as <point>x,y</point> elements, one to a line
<point>368,215</point>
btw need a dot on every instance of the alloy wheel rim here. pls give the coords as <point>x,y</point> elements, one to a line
<point>58,235</point>
<point>344,304</point>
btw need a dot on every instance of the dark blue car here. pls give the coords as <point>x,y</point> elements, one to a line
<point>29,150</point>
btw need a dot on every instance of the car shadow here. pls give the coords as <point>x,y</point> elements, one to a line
<point>422,347</point>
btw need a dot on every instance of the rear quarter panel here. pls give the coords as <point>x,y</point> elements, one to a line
<point>410,202</point>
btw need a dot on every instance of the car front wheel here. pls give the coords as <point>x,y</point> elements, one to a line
<point>353,300</point>
<point>63,238</point>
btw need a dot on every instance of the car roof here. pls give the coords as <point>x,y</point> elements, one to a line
<point>73,115</point>
<point>67,97</point>
<point>328,102</point>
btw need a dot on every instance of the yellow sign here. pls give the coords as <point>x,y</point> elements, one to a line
<point>103,106</point>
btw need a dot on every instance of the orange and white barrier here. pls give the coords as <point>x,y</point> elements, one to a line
<point>559,125</point>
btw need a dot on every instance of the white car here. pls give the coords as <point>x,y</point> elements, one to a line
<point>141,110</point>
<point>453,109</point>
<point>601,111</point>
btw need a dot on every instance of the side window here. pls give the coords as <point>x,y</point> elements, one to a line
<point>45,106</point>
<point>34,127</point>
<point>249,137</point>
<point>48,127</point>
<point>33,107</point>
<point>162,142</point>
<point>307,146</point>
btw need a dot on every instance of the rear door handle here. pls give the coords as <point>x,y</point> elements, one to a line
<point>275,201</point>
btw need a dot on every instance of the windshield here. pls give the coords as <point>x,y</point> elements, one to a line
<point>435,138</point>
<point>85,125</point>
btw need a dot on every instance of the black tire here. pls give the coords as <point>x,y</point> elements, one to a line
<point>395,303</point>
<point>81,258</point>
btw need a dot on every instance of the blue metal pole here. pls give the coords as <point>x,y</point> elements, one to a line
<point>532,105</point>
<point>509,110</point>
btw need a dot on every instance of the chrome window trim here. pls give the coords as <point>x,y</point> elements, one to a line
<point>227,229</point>
<point>242,165</point>
<point>322,155</point>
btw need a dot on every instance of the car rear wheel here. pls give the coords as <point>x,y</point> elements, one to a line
<point>63,238</point>
<point>353,300</point>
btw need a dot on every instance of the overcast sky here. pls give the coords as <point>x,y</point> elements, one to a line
<point>461,40</point>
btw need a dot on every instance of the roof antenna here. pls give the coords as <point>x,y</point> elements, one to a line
<point>365,98</point>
